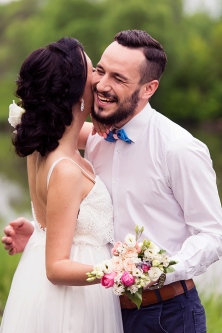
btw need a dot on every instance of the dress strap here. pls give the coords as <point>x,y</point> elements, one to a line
<point>67,158</point>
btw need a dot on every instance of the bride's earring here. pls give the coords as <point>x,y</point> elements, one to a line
<point>82,105</point>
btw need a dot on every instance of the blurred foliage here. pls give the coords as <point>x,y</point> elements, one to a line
<point>213,309</point>
<point>191,88</point>
<point>190,91</point>
<point>11,165</point>
<point>7,269</point>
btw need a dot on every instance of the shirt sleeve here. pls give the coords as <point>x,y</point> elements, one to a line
<point>193,183</point>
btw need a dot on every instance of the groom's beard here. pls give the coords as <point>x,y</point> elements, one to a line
<point>124,111</point>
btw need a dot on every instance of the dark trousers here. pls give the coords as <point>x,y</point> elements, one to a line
<point>181,314</point>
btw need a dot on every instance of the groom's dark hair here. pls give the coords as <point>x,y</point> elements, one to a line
<point>156,58</point>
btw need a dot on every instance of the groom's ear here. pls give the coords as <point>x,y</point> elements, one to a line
<point>148,89</point>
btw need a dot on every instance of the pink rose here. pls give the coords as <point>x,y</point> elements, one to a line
<point>145,267</point>
<point>115,248</point>
<point>107,280</point>
<point>138,247</point>
<point>130,253</point>
<point>129,265</point>
<point>127,279</point>
<point>117,264</point>
<point>115,252</point>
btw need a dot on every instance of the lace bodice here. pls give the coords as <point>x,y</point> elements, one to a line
<point>95,220</point>
<point>94,223</point>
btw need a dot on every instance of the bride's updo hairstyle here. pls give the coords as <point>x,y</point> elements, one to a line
<point>51,80</point>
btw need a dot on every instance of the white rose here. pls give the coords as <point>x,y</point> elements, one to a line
<point>154,247</point>
<point>15,114</point>
<point>137,260</point>
<point>107,266</point>
<point>165,260</point>
<point>137,272</point>
<point>152,251</point>
<point>130,240</point>
<point>154,273</point>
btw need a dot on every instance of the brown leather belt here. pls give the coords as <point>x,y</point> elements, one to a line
<point>155,296</point>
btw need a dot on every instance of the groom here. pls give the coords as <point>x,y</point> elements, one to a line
<point>160,178</point>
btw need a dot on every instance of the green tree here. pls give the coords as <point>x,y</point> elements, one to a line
<point>190,90</point>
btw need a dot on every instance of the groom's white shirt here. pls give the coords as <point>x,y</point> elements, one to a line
<point>163,181</point>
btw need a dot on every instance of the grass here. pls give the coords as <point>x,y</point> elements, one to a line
<point>8,265</point>
<point>213,308</point>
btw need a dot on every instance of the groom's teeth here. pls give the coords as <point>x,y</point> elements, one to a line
<point>104,99</point>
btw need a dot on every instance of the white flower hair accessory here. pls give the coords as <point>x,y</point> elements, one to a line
<point>15,114</point>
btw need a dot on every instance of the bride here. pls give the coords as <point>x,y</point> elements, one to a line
<point>72,208</point>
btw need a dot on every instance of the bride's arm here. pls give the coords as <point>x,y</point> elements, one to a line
<point>83,135</point>
<point>65,192</point>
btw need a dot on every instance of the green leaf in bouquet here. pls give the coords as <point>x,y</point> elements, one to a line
<point>136,298</point>
<point>146,244</point>
<point>169,269</point>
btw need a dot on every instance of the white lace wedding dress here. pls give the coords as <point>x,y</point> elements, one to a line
<point>35,305</point>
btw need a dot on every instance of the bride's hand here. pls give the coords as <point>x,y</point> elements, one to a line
<point>17,234</point>
<point>99,128</point>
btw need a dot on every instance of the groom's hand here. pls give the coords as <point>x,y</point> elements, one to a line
<point>17,234</point>
<point>157,284</point>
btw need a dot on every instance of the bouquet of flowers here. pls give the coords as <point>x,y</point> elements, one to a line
<point>134,265</point>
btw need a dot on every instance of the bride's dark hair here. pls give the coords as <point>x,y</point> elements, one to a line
<point>51,80</point>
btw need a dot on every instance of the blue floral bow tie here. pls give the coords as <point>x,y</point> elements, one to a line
<point>113,135</point>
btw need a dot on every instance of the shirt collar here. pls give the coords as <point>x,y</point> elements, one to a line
<point>136,125</point>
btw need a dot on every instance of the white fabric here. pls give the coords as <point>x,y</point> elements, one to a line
<point>37,306</point>
<point>163,180</point>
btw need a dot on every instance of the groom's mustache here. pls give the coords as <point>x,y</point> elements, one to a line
<point>105,94</point>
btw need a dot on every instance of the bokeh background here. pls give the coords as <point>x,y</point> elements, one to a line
<point>190,91</point>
